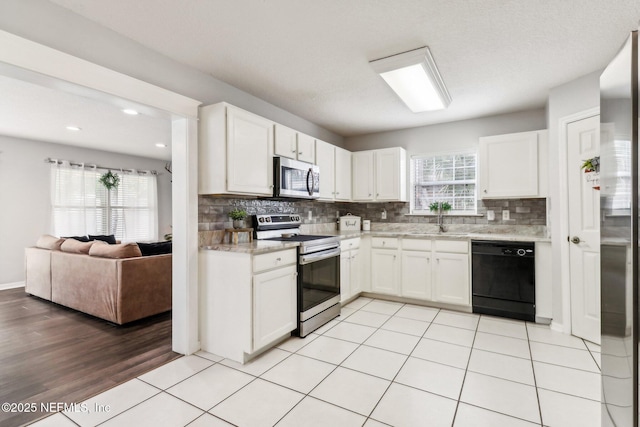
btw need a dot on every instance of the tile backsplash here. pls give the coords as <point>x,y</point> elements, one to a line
<point>213,211</point>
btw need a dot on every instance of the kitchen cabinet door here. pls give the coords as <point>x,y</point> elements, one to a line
<point>390,168</point>
<point>274,305</point>
<point>342,174</point>
<point>451,278</point>
<point>384,271</point>
<point>306,148</point>
<point>286,142</point>
<point>249,153</point>
<point>416,275</point>
<point>345,275</point>
<point>325,159</point>
<point>513,165</point>
<point>355,273</point>
<point>363,176</point>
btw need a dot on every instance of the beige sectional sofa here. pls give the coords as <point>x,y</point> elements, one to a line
<point>119,290</point>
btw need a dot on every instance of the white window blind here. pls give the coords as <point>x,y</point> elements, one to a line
<point>81,205</point>
<point>449,177</point>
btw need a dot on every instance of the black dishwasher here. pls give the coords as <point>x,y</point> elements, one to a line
<point>503,279</point>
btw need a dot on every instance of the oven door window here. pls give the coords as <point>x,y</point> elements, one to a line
<point>319,281</point>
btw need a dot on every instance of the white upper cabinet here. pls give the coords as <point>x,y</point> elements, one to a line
<point>235,152</point>
<point>362,175</point>
<point>293,144</point>
<point>342,174</point>
<point>513,165</point>
<point>325,159</point>
<point>380,175</point>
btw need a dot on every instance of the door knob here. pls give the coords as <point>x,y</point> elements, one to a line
<point>575,239</point>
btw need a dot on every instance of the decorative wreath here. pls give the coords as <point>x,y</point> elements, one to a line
<point>110,180</point>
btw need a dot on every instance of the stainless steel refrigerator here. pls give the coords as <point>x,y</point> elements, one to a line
<point>619,203</point>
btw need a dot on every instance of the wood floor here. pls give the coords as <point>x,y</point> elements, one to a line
<point>49,353</point>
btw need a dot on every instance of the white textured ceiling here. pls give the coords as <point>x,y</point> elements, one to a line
<point>311,57</point>
<point>33,111</point>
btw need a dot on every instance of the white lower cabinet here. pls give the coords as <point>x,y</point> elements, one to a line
<point>274,305</point>
<point>248,302</point>
<point>350,265</point>
<point>451,278</point>
<point>416,274</point>
<point>385,269</point>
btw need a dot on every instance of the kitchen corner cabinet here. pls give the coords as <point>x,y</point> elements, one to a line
<point>380,175</point>
<point>235,152</point>
<point>385,265</point>
<point>513,165</point>
<point>350,267</point>
<point>293,144</point>
<point>257,308</point>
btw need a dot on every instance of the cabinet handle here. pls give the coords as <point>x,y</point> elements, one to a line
<point>293,151</point>
<point>384,243</point>
<point>278,259</point>
<point>299,152</point>
<point>438,260</point>
<point>485,191</point>
<point>369,194</point>
<point>377,194</point>
<point>271,186</point>
<point>353,257</point>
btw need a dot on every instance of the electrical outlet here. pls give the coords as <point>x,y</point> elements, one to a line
<point>506,215</point>
<point>491,215</point>
<point>310,215</point>
<point>384,214</point>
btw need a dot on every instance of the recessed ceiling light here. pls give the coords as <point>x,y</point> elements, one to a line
<point>74,128</point>
<point>130,112</point>
<point>161,145</point>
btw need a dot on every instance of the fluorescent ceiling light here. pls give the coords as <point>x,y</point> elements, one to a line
<point>414,77</point>
<point>74,128</point>
<point>130,112</point>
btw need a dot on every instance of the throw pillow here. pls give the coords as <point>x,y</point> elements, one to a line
<point>79,238</point>
<point>47,241</point>
<point>121,250</point>
<point>157,248</point>
<point>110,239</point>
<point>74,246</point>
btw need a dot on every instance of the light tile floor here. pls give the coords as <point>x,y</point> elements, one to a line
<point>380,363</point>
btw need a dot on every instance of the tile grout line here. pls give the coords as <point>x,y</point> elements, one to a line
<point>466,370</point>
<point>533,371</point>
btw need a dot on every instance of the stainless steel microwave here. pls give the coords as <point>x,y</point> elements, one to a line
<point>295,179</point>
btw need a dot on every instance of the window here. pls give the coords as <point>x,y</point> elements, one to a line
<point>448,177</point>
<point>80,205</point>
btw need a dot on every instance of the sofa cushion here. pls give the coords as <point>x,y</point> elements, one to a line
<point>121,250</point>
<point>47,241</point>
<point>74,246</point>
<point>79,238</point>
<point>156,248</point>
<point>110,239</point>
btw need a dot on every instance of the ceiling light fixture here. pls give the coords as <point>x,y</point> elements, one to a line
<point>74,128</point>
<point>414,77</point>
<point>130,112</point>
<point>161,145</point>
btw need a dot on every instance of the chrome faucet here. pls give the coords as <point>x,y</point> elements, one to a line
<point>441,227</point>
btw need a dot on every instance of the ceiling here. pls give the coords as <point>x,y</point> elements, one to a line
<point>312,59</point>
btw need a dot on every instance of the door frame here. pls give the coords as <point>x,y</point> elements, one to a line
<point>23,58</point>
<point>564,324</point>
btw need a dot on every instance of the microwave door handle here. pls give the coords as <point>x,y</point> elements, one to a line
<point>310,173</point>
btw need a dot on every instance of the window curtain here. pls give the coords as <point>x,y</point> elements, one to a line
<point>81,205</point>
<point>76,200</point>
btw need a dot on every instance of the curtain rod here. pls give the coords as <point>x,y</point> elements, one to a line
<point>50,160</point>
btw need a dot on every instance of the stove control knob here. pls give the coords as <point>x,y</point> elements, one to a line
<point>260,219</point>
<point>297,218</point>
<point>268,219</point>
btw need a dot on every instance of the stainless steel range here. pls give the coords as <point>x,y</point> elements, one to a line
<point>318,269</point>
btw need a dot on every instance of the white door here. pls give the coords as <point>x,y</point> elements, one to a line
<point>362,175</point>
<point>416,275</point>
<point>583,142</point>
<point>343,174</point>
<point>387,173</point>
<point>325,159</point>
<point>384,271</point>
<point>345,275</point>
<point>451,278</point>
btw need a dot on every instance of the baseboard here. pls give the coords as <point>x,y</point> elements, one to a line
<point>11,285</point>
<point>556,326</point>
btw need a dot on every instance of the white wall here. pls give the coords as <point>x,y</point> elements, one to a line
<point>573,97</point>
<point>59,28</point>
<point>450,136</point>
<point>25,199</point>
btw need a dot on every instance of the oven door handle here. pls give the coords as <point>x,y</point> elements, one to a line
<point>319,256</point>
